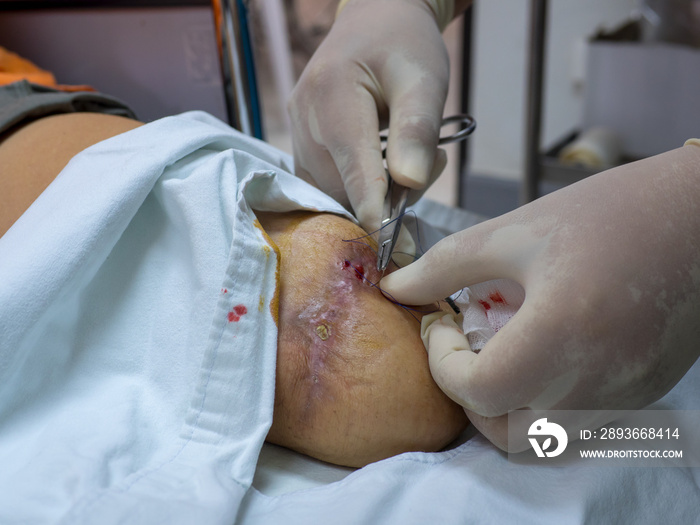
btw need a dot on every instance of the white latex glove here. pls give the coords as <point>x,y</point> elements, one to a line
<point>611,318</point>
<point>384,61</point>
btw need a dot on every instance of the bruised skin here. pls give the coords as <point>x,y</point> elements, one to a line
<point>353,384</point>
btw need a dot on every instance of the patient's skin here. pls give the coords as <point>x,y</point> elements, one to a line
<point>353,384</point>
<point>32,155</point>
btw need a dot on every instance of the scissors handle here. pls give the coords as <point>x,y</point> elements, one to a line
<point>467,127</point>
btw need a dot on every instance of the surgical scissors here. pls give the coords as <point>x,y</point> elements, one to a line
<point>397,195</point>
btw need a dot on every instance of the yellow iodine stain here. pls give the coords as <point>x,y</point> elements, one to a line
<point>275,302</point>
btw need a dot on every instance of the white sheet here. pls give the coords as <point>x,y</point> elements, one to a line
<point>128,393</point>
<point>474,483</point>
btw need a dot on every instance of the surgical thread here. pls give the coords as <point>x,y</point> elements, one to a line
<point>419,245</point>
<point>361,274</point>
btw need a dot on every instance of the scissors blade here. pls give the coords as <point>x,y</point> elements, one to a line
<point>397,195</point>
<point>392,217</point>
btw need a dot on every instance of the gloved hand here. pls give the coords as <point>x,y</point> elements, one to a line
<point>384,61</point>
<point>611,318</point>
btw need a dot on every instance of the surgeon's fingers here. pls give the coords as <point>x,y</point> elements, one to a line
<point>456,261</point>
<point>312,158</point>
<point>448,351</point>
<point>405,250</point>
<point>416,101</point>
<point>452,365</point>
<point>438,168</point>
<point>495,429</point>
<point>478,382</point>
<point>507,374</point>
<point>354,145</point>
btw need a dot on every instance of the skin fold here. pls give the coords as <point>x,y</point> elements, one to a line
<point>353,384</point>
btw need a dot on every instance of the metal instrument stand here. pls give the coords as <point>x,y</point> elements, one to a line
<point>234,42</point>
<point>535,99</point>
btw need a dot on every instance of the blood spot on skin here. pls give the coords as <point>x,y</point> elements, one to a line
<point>235,315</point>
<point>358,269</point>
<point>360,272</point>
<point>224,290</point>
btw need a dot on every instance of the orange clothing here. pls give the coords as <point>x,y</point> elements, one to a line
<point>13,68</point>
